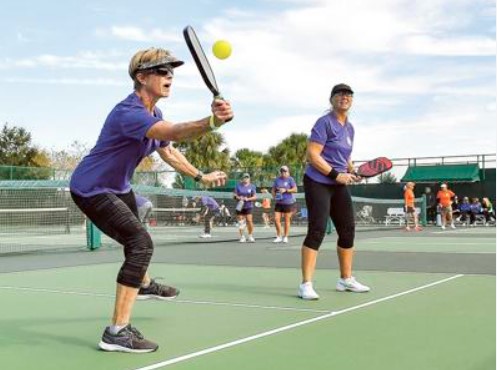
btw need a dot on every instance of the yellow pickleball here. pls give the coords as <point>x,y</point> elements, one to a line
<point>221,49</point>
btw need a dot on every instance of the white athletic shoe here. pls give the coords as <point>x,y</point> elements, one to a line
<point>452,226</point>
<point>278,239</point>
<point>204,235</point>
<point>285,239</point>
<point>251,239</point>
<point>242,239</point>
<point>443,227</point>
<point>352,285</point>
<point>306,291</point>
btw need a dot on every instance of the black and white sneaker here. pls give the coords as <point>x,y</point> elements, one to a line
<point>157,291</point>
<point>128,339</point>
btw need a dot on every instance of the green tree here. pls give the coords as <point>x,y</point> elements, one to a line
<point>68,159</point>
<point>387,178</point>
<point>205,152</point>
<point>16,148</point>
<point>291,152</point>
<point>247,158</point>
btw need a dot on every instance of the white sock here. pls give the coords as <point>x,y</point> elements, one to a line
<point>114,329</point>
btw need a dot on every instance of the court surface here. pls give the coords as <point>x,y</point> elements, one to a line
<point>432,306</point>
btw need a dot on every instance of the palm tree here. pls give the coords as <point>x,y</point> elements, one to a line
<point>387,178</point>
<point>291,152</point>
<point>205,152</point>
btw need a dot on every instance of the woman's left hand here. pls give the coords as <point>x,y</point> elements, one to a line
<point>215,178</point>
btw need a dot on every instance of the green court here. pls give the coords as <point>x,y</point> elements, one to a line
<point>432,306</point>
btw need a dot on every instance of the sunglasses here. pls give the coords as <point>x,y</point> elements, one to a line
<point>163,71</point>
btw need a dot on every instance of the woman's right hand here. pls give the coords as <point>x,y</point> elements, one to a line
<point>347,178</point>
<point>221,110</point>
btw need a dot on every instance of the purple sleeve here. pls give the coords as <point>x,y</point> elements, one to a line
<point>137,121</point>
<point>292,183</point>
<point>318,133</point>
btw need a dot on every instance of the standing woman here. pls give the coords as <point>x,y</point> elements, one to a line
<point>283,188</point>
<point>101,184</point>
<point>410,210</point>
<point>245,194</point>
<point>326,194</point>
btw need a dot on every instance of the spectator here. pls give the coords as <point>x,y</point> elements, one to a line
<point>266,208</point>
<point>475,211</point>
<point>465,210</point>
<point>488,210</point>
<point>444,199</point>
<point>409,207</point>
<point>456,213</point>
<point>245,194</point>
<point>283,188</point>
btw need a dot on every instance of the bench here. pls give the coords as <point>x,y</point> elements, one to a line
<point>397,216</point>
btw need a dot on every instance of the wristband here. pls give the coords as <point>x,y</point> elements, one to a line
<point>333,174</point>
<point>212,125</point>
<point>199,176</point>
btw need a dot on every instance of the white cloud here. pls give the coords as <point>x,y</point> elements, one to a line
<point>108,61</point>
<point>467,46</point>
<point>133,33</point>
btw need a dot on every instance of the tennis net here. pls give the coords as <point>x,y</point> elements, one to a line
<point>34,219</point>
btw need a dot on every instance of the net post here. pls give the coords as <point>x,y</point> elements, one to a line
<point>68,220</point>
<point>423,210</point>
<point>93,236</point>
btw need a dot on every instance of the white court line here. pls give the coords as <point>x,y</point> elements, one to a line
<point>289,327</point>
<point>212,303</point>
<point>437,242</point>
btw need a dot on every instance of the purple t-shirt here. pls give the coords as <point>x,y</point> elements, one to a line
<point>209,203</point>
<point>121,146</point>
<point>248,191</point>
<point>337,140</point>
<point>286,183</point>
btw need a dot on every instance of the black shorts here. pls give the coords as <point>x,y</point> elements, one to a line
<point>410,209</point>
<point>244,212</point>
<point>266,210</point>
<point>284,208</point>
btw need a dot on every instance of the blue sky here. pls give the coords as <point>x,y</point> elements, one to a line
<point>424,72</point>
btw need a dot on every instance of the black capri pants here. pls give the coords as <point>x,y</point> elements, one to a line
<point>325,201</point>
<point>117,216</point>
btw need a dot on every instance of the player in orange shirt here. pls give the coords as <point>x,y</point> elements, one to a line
<point>409,206</point>
<point>444,198</point>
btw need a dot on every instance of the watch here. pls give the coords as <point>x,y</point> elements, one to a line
<point>199,176</point>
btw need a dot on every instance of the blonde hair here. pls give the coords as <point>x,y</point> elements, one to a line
<point>142,57</point>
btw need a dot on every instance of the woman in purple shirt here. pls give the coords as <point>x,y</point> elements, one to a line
<point>283,188</point>
<point>327,175</point>
<point>101,188</point>
<point>245,194</point>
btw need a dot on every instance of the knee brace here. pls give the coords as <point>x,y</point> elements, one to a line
<point>314,239</point>
<point>346,236</point>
